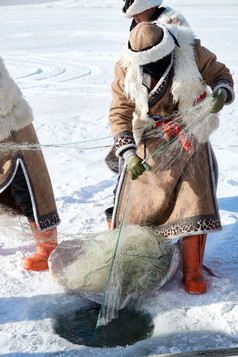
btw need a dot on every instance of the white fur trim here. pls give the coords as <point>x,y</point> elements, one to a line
<point>15,112</point>
<point>137,93</point>
<point>139,126</point>
<point>170,14</point>
<point>188,83</point>
<point>139,6</point>
<point>154,54</point>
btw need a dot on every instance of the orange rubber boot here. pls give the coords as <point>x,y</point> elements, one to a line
<point>45,243</point>
<point>193,252</point>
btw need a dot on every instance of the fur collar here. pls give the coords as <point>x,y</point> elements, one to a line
<point>15,113</point>
<point>169,15</point>
<point>187,84</point>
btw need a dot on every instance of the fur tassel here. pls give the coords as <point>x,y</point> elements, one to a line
<point>187,83</point>
<point>138,94</point>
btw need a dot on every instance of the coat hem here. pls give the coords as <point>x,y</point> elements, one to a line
<point>44,222</point>
<point>190,226</point>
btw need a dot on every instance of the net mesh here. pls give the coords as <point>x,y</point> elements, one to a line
<point>113,267</point>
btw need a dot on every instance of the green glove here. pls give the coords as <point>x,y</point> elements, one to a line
<point>218,100</point>
<point>135,167</point>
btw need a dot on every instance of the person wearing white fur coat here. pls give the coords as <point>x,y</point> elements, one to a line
<point>150,11</point>
<point>163,72</point>
<point>25,185</point>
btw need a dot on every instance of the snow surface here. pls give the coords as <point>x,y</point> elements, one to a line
<point>62,55</point>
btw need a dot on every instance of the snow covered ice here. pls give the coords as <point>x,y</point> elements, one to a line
<point>62,55</point>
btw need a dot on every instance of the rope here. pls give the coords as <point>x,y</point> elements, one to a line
<point>174,117</point>
<point>15,147</point>
<point>113,259</point>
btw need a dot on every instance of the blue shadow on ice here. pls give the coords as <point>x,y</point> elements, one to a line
<point>228,203</point>
<point>39,307</point>
<point>71,353</point>
<point>87,193</point>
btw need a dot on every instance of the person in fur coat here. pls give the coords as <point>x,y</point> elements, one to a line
<point>164,73</point>
<point>25,185</point>
<point>149,11</point>
<point>144,11</point>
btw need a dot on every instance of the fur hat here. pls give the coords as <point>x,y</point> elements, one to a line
<point>133,7</point>
<point>149,42</point>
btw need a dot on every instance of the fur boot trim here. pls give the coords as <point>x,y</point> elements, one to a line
<point>139,6</point>
<point>15,112</point>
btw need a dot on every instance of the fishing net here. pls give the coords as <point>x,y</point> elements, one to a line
<point>131,262</point>
<point>128,262</point>
<point>178,136</point>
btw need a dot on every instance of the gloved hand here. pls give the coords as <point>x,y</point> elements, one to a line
<point>135,167</point>
<point>218,100</point>
<point>134,164</point>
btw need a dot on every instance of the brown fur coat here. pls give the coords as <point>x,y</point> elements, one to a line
<point>17,129</point>
<point>179,197</point>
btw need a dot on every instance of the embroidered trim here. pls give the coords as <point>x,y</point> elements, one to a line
<point>124,140</point>
<point>160,91</point>
<point>49,221</point>
<point>223,81</point>
<point>200,224</point>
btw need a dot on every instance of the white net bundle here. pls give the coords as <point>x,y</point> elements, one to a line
<point>87,266</point>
